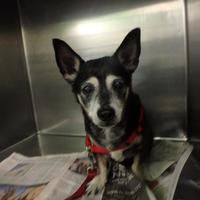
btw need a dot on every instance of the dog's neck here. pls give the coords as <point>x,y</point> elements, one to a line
<point>112,136</point>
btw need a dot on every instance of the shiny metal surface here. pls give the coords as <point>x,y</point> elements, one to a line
<point>95,29</point>
<point>44,144</point>
<point>28,147</point>
<point>16,118</point>
<point>193,19</point>
<point>54,144</point>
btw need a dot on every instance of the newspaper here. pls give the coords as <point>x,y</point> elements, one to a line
<point>123,184</point>
<point>46,177</point>
<point>59,176</point>
<point>20,170</point>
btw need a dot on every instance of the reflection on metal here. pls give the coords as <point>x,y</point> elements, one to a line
<point>27,67</point>
<point>96,29</point>
<point>103,24</point>
<point>177,139</point>
<point>16,114</point>
<point>90,28</point>
<point>193,19</point>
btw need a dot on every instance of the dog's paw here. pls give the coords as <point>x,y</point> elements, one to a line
<point>96,185</point>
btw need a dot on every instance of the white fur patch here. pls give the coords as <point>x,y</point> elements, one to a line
<point>93,105</point>
<point>81,102</point>
<point>77,64</point>
<point>98,183</point>
<point>109,80</point>
<point>111,134</point>
<point>94,81</point>
<point>71,77</point>
<point>135,165</point>
<point>117,155</point>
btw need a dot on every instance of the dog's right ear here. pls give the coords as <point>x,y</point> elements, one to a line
<point>67,60</point>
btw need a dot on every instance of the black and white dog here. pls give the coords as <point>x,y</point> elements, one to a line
<point>113,113</point>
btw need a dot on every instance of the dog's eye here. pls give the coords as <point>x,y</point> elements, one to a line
<point>87,89</point>
<point>118,84</point>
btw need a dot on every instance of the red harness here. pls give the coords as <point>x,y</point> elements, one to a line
<point>95,148</point>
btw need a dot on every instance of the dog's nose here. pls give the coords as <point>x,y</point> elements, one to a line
<point>106,114</point>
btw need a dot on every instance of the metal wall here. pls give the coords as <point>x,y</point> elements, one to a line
<point>96,28</point>
<point>193,21</point>
<point>16,116</point>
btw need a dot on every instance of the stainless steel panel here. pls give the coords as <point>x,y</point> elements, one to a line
<point>16,118</point>
<point>193,14</point>
<point>93,29</point>
<point>28,147</point>
<point>53,144</point>
<point>43,144</point>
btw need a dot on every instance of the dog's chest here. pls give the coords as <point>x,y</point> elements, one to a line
<point>118,155</point>
<point>113,134</point>
<point>128,152</point>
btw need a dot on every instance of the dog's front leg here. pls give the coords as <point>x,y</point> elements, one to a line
<point>98,183</point>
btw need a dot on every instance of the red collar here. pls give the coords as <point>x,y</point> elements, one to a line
<point>95,148</point>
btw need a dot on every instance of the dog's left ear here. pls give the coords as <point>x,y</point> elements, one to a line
<point>128,52</point>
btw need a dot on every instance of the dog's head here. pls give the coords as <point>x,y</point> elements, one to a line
<point>102,85</point>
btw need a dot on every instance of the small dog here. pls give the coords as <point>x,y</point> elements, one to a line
<point>113,113</point>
